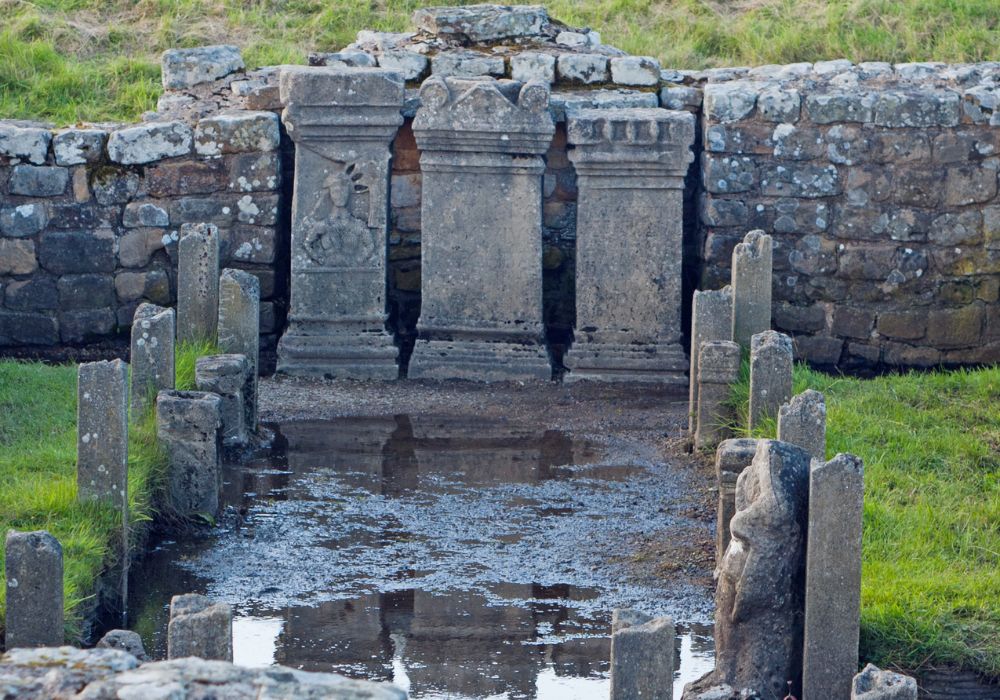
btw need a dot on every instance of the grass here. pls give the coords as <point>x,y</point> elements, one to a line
<point>930,590</point>
<point>38,474</point>
<point>75,60</point>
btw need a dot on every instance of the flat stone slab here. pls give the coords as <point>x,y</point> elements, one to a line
<point>477,23</point>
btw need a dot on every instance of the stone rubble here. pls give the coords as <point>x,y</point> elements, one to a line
<point>875,684</point>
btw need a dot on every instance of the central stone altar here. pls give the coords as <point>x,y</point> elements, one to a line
<point>482,142</point>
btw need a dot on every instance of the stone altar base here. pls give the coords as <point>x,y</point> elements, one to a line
<point>339,354</point>
<point>479,361</point>
<point>661,363</point>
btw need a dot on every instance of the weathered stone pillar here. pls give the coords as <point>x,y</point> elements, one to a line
<point>751,282</point>
<point>731,458</point>
<point>152,355</point>
<point>102,432</point>
<point>711,319</point>
<point>199,628</point>
<point>239,331</point>
<point>33,570</point>
<point>875,684</point>
<point>226,376</point>
<point>630,166</point>
<point>770,375</point>
<point>197,282</point>
<point>642,656</point>
<point>802,422</point>
<point>342,122</point>
<point>481,228</point>
<point>718,370</point>
<point>187,425</point>
<point>833,577</point>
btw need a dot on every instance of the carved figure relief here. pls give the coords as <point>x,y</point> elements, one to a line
<point>337,229</point>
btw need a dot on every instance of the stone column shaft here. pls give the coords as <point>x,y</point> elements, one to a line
<point>802,422</point>
<point>152,355</point>
<point>630,166</point>
<point>718,370</point>
<point>33,570</point>
<point>197,283</point>
<point>711,319</point>
<point>751,282</point>
<point>770,375</point>
<point>239,331</point>
<point>102,432</point>
<point>225,375</point>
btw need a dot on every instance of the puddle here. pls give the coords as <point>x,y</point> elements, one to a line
<point>455,557</point>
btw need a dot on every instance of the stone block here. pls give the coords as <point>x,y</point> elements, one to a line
<point>86,325</point>
<point>635,70</point>
<point>955,328</point>
<point>255,172</point>
<point>199,628</point>
<point>112,185</point>
<point>730,102</point>
<point>18,328</point>
<point>802,422</point>
<point>17,257</point>
<point>583,68</point>
<point>578,40</point>
<point>152,355</point>
<point>29,143</point>
<point>952,229</point>
<point>727,174</point>
<point>248,244</point>
<point>797,143</point>
<point>185,68</point>
<point>237,132</point>
<point>188,426</point>
<point>138,214</point>
<point>800,180</point>
<point>480,23</point>
<point>79,146</point>
<point>343,59</point>
<point>87,291</point>
<point>239,331</point>
<point>137,246</point>
<point>852,323</point>
<point>197,282</point>
<point>226,376</point>
<point>529,66</point>
<point>642,660</point>
<point>770,375</point>
<point>38,180</point>
<point>149,142</point>
<point>751,285</point>
<point>126,640</point>
<point>466,64</point>
<point>819,349</point>
<point>409,65</point>
<point>711,320</point>
<point>718,370</point>
<point>33,571</point>
<point>102,433</point>
<point>37,293</point>
<point>926,108</point>
<point>186,177</point>
<point>777,104</point>
<point>688,98</point>
<point>23,220</point>
<point>731,458</point>
<point>875,684</point>
<point>789,317</point>
<point>566,102</point>
<point>970,185</point>
<point>841,107</point>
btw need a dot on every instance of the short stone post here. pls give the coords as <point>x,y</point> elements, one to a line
<point>875,684</point>
<point>731,458</point>
<point>187,424</point>
<point>197,283</point>
<point>342,122</point>
<point>642,657</point>
<point>711,319</point>
<point>152,355</point>
<point>481,144</point>
<point>33,570</point>
<point>718,370</point>
<point>630,166</point>
<point>751,282</point>
<point>225,375</point>
<point>239,331</point>
<point>802,422</point>
<point>770,375</point>
<point>833,577</point>
<point>102,432</point>
<point>199,628</point>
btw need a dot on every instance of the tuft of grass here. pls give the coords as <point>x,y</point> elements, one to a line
<point>930,590</point>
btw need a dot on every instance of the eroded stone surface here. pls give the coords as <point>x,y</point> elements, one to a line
<point>239,331</point>
<point>33,572</point>
<point>188,426</point>
<point>770,375</point>
<point>198,283</point>
<point>711,319</point>
<point>718,370</point>
<point>476,23</point>
<point>751,282</point>
<point>150,142</point>
<point>102,432</point>
<point>802,422</point>
<point>875,684</point>
<point>184,68</point>
<point>226,376</point>
<point>198,627</point>
<point>642,659</point>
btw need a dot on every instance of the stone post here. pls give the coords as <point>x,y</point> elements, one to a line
<point>802,422</point>
<point>630,166</point>
<point>152,355</point>
<point>481,217</point>
<point>102,432</point>
<point>342,122</point>
<point>226,376</point>
<point>875,684</point>
<point>239,331</point>
<point>33,570</point>
<point>197,283</point>
<point>642,657</point>
<point>751,282</point>
<point>199,628</point>
<point>718,370</point>
<point>731,458</point>
<point>770,375</point>
<point>187,425</point>
<point>711,319</point>
<point>833,577</point>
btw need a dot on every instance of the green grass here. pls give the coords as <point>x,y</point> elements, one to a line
<point>38,473</point>
<point>930,591</point>
<point>72,60</point>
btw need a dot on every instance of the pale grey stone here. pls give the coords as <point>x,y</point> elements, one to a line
<point>226,375</point>
<point>33,571</point>
<point>731,458</point>
<point>382,41</point>
<point>102,432</point>
<point>874,684</point>
<point>38,180</point>
<point>79,146</point>
<point>770,375</point>
<point>711,319</point>
<point>718,370</point>
<point>466,64</point>
<point>759,594</point>
<point>149,142</point>
<point>622,618</point>
<point>348,58</point>
<point>630,166</point>
<point>187,425</point>
<point>917,109</point>
<point>343,122</point>
<point>125,640</point>
<point>751,283</point>
<point>29,143</point>
<point>239,331</point>
<point>642,660</point>
<point>199,628</point>
<point>780,72</point>
<point>562,104</point>
<point>138,214</point>
<point>779,105</point>
<point>838,65</point>
<point>409,65</point>
<point>635,70</point>
<point>578,40</point>
<point>871,69</point>
<point>152,355</point>
<point>479,23</point>
<point>184,68</point>
<point>841,107</point>
<point>731,101</point>
<point>197,283</point>
<point>833,577</point>
<point>533,66</point>
<point>23,220</point>
<point>680,98</point>
<point>981,103</point>
<point>237,132</point>
<point>805,180</point>
<point>802,422</point>
<point>918,71</point>
<point>583,67</point>
<point>481,305</point>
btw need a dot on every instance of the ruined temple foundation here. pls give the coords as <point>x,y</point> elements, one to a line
<point>481,215</point>
<point>630,166</point>
<point>342,122</point>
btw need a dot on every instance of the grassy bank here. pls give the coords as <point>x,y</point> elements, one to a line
<point>69,60</point>
<point>930,590</point>
<point>38,474</point>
